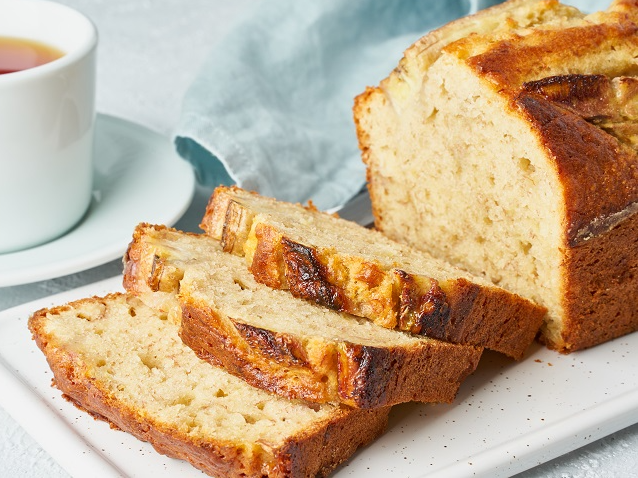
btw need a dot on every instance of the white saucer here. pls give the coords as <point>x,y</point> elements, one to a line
<point>138,178</point>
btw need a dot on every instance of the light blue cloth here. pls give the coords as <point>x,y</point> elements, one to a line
<point>271,109</point>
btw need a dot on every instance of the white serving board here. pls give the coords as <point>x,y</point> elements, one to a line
<point>508,416</point>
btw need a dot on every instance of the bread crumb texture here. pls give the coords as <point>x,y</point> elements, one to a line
<point>145,365</point>
<point>123,362</point>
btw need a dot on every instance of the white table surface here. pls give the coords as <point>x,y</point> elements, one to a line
<point>149,53</point>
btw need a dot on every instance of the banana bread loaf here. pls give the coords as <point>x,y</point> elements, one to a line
<point>347,267</point>
<point>506,143</point>
<point>283,344</point>
<point>123,363</point>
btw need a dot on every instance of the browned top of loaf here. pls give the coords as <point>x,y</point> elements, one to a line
<point>526,50</point>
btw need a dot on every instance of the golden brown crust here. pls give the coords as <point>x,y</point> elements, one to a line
<point>211,222</point>
<point>390,297</point>
<point>599,174</point>
<point>590,96</point>
<point>304,273</point>
<point>314,452</point>
<point>130,263</point>
<point>155,272</point>
<point>281,263</point>
<point>423,307</point>
<point>602,288</point>
<point>274,362</point>
<point>267,262</point>
<point>233,238</point>
<point>366,376</point>
<point>511,62</point>
<point>319,452</point>
<point>430,374</point>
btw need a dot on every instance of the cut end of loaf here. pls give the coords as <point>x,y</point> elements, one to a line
<point>502,142</point>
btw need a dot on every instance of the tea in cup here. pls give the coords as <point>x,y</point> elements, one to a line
<point>17,54</point>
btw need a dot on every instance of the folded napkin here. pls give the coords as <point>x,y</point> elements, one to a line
<point>271,109</point>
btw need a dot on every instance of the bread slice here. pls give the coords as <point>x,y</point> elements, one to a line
<point>347,267</point>
<point>506,143</point>
<point>280,343</point>
<point>122,362</point>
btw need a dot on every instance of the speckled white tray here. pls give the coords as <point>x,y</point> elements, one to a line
<point>507,417</point>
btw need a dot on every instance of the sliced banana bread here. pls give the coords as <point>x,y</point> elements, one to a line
<point>346,267</point>
<point>278,342</point>
<point>506,143</point>
<point>124,363</point>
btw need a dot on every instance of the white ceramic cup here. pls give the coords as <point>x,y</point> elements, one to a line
<point>47,118</point>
